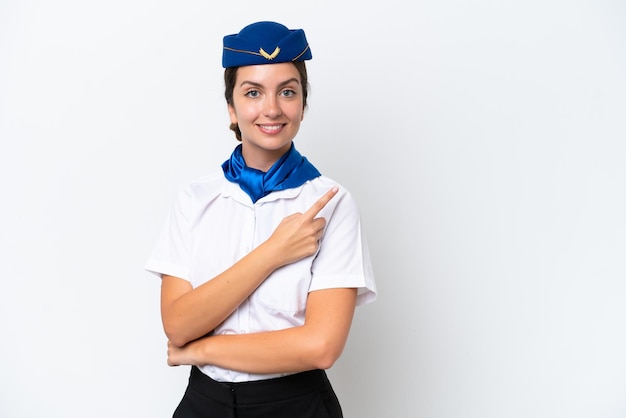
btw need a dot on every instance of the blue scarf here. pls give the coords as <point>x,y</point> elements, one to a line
<point>291,170</point>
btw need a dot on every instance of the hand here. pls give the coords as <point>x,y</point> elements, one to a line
<point>179,356</point>
<point>298,235</point>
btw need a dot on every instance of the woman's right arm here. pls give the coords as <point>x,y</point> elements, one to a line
<point>189,313</point>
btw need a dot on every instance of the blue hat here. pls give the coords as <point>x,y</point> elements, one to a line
<point>265,43</point>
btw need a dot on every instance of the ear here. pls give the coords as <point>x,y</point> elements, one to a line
<point>232,114</point>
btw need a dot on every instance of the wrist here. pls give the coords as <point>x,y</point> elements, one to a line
<point>202,352</point>
<point>269,255</point>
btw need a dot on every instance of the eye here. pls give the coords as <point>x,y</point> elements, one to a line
<point>253,93</point>
<point>287,93</point>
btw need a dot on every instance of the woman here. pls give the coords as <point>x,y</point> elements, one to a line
<point>263,261</point>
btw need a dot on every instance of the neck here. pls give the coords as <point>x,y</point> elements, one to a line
<point>262,160</point>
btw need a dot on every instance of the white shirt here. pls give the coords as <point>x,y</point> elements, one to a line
<point>213,224</point>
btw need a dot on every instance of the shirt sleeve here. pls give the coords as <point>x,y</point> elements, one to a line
<point>171,253</point>
<point>343,258</point>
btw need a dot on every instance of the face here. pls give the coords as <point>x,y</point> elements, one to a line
<point>268,107</point>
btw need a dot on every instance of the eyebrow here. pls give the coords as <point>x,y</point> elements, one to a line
<point>284,83</point>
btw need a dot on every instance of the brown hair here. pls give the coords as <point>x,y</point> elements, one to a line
<point>230,77</point>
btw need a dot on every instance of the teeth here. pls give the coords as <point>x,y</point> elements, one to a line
<point>271,127</point>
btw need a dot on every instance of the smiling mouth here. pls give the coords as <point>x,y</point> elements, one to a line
<point>271,128</point>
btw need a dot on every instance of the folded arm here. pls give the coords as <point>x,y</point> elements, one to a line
<point>315,345</point>
<point>189,313</point>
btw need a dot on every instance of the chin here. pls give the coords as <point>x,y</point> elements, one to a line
<point>272,144</point>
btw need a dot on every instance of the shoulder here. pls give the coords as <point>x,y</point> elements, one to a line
<point>322,184</point>
<point>203,188</point>
<point>211,180</point>
<point>343,202</point>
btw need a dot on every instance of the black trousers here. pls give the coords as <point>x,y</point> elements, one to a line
<point>302,395</point>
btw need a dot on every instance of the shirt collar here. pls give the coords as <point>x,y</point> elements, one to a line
<point>232,190</point>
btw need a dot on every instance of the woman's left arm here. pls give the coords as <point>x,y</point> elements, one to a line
<point>315,345</point>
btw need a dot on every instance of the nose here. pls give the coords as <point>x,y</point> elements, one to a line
<point>271,107</point>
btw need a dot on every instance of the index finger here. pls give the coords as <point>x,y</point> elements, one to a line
<point>321,202</point>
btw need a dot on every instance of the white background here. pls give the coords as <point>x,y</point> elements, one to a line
<point>483,140</point>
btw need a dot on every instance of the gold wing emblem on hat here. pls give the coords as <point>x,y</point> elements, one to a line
<point>269,56</point>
